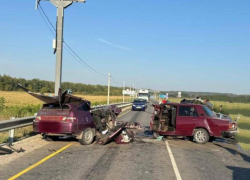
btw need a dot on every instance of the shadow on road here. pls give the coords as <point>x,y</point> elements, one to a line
<point>238,172</point>
<point>4,151</point>
<point>235,152</point>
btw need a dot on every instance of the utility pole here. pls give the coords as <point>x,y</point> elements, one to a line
<point>61,5</point>
<point>130,92</point>
<point>123,91</point>
<point>109,77</point>
<point>133,90</point>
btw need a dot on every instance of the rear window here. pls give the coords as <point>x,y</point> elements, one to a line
<point>84,107</point>
<point>55,106</point>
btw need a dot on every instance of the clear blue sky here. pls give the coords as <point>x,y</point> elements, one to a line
<point>183,45</point>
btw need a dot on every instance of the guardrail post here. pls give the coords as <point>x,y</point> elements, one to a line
<point>11,133</point>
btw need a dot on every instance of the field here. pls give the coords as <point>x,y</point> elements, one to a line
<point>23,99</point>
<point>235,110</point>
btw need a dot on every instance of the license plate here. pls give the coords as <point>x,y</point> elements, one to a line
<point>138,107</point>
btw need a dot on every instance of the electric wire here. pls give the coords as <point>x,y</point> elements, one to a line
<point>53,32</point>
<point>68,48</point>
<point>115,81</point>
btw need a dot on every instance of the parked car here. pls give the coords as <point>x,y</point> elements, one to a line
<point>188,119</point>
<point>139,104</point>
<point>66,114</point>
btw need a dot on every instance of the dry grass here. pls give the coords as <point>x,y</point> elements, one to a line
<point>13,98</point>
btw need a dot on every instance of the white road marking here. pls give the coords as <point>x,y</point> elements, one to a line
<point>176,171</point>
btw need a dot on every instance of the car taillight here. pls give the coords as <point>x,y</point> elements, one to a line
<point>231,125</point>
<point>38,118</point>
<point>69,119</point>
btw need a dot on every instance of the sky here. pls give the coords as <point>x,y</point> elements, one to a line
<point>180,45</point>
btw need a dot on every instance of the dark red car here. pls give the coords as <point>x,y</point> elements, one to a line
<point>66,114</point>
<point>192,120</point>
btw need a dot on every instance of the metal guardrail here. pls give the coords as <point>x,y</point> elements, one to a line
<point>6,125</point>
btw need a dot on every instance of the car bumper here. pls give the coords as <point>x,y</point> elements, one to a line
<point>53,127</point>
<point>138,108</point>
<point>229,134</point>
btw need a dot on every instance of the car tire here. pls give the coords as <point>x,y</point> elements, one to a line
<point>87,136</point>
<point>201,136</point>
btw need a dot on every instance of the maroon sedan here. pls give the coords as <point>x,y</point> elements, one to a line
<point>192,120</point>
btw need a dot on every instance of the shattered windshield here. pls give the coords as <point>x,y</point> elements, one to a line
<point>208,111</point>
<point>139,100</point>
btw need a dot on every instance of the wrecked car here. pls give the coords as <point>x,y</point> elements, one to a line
<point>68,115</point>
<point>196,121</point>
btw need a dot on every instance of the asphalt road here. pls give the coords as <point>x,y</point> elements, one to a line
<point>139,160</point>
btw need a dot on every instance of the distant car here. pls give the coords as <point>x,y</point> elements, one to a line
<point>233,129</point>
<point>139,104</point>
<point>188,119</point>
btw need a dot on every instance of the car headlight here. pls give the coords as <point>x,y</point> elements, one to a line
<point>133,105</point>
<point>143,105</point>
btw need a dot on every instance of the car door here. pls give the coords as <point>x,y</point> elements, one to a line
<point>84,117</point>
<point>186,120</point>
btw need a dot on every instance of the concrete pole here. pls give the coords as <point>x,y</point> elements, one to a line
<point>130,93</point>
<point>59,48</point>
<point>59,40</point>
<point>133,90</point>
<point>123,91</point>
<point>109,77</point>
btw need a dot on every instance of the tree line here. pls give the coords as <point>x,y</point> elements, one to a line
<point>8,83</point>
<point>213,97</point>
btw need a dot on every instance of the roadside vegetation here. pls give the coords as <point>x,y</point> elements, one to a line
<point>235,110</point>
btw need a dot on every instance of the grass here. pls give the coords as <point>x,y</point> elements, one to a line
<point>19,133</point>
<point>235,110</point>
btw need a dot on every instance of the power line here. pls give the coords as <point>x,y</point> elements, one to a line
<point>82,60</point>
<point>53,32</point>
<point>47,17</point>
<point>70,50</point>
<point>115,81</point>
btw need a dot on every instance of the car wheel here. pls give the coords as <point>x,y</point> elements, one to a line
<point>87,137</point>
<point>201,136</point>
